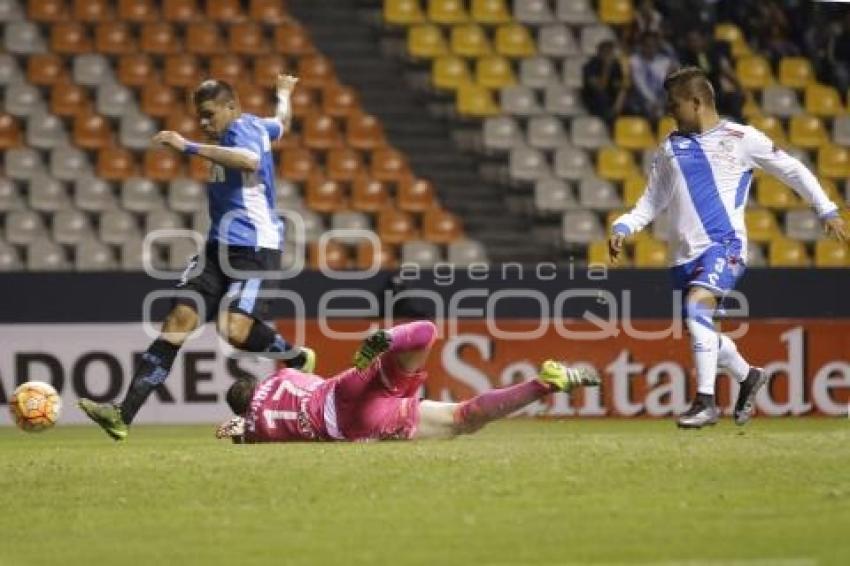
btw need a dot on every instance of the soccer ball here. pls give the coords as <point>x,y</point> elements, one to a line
<point>35,406</point>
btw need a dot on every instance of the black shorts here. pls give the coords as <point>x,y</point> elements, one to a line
<point>236,285</point>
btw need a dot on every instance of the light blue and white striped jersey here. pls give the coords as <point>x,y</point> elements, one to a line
<point>242,203</point>
<point>703,180</point>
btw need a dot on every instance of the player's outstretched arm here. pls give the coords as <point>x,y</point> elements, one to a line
<point>231,157</point>
<point>283,113</point>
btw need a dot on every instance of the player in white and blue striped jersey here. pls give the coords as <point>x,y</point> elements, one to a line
<point>242,253</point>
<point>702,175</point>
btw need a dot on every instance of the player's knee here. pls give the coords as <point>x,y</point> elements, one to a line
<point>235,327</point>
<point>182,320</point>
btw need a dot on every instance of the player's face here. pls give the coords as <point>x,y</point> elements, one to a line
<point>214,116</point>
<point>685,110</point>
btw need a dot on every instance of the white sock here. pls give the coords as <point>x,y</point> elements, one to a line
<point>704,346</point>
<point>729,358</point>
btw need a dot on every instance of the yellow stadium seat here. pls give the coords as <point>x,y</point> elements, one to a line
<point>761,225</point>
<point>754,72</point>
<point>447,12</point>
<point>807,132</point>
<point>449,72</point>
<point>772,127</point>
<point>514,40</point>
<point>831,189</point>
<point>470,41</point>
<point>403,12</point>
<point>831,253</point>
<point>785,252</point>
<point>823,100</point>
<point>833,161</point>
<point>666,125</point>
<point>751,107</point>
<point>795,72</point>
<point>650,252</point>
<point>772,193</point>
<point>597,254</point>
<point>616,12</point>
<point>633,188</point>
<point>491,12</point>
<point>494,72</point>
<point>731,34</point>
<point>476,102</point>
<point>426,42</point>
<point>615,163</point>
<point>633,132</point>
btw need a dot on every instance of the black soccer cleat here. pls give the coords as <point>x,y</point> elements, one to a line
<point>372,347</point>
<point>744,406</point>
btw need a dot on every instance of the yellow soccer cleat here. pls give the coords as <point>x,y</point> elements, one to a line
<point>565,378</point>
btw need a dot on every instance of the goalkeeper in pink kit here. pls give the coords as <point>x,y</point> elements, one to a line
<point>377,399</point>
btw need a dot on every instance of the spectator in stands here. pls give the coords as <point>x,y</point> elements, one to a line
<point>713,58</point>
<point>606,84</point>
<point>774,44</point>
<point>649,67</point>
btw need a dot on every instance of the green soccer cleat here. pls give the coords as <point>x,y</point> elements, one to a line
<point>309,360</point>
<point>108,417</point>
<point>372,347</point>
<point>565,378</point>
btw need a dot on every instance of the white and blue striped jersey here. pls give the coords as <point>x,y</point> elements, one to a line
<point>242,203</point>
<point>703,181</point>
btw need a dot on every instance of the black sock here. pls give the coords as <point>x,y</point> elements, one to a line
<point>262,339</point>
<point>705,399</point>
<point>150,373</point>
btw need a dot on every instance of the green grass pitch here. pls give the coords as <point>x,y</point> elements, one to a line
<point>520,492</point>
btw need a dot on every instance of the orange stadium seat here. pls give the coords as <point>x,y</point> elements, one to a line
<point>47,11</point>
<point>138,11</point>
<point>160,38</point>
<point>302,102</point>
<point>772,193</point>
<point>199,168</point>
<point>292,40</point>
<point>289,140</point>
<point>182,70</point>
<point>254,99</point>
<point>441,227</point>
<point>115,164</point>
<point>227,67</point>
<point>92,131</point>
<point>447,12</point>
<point>267,11</point>
<point>514,40</point>
<point>795,72</point>
<point>426,42</point>
<point>68,100</point>
<point>754,72</point>
<point>324,195</point>
<point>367,256</point>
<point>834,161</point>
<point>364,132</point>
<point>649,252</point>
<point>297,164</point>
<point>761,225</point>
<point>136,70</point>
<point>114,38</point>
<point>616,12</point>
<point>226,11</point>
<point>69,38</point>
<point>315,71</point>
<point>633,188</point>
<point>395,226</point>
<point>772,128</point>
<point>162,164</point>
<point>807,132</point>
<point>92,11</point>
<point>45,69</point>
<point>339,101</point>
<point>369,195</point>
<point>831,253</point>
<point>784,252</point>
<point>416,195</point>
<point>450,72</point>
<point>470,41</point>
<point>158,100</point>
<point>615,163</point>
<point>823,100</point>
<point>267,68</point>
<point>181,11</point>
<point>403,12</point>
<point>10,132</point>
<point>633,132</point>
<point>494,72</point>
<point>332,255</point>
<point>490,12</point>
<point>247,39</point>
<point>343,164</point>
<point>321,133</point>
<point>476,101</point>
<point>388,165</point>
<point>204,38</point>
<point>184,124</point>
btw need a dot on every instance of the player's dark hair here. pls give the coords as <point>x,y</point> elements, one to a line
<point>690,82</point>
<point>239,395</point>
<point>213,89</point>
